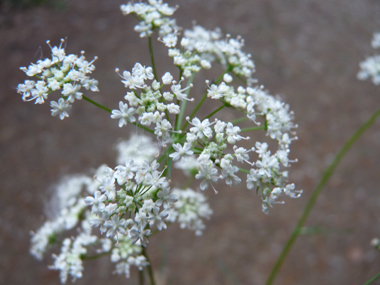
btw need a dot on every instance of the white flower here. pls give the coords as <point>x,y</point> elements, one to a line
<point>173,108</point>
<point>205,64</point>
<point>71,91</point>
<point>132,81</point>
<point>227,78</point>
<point>167,79</point>
<point>142,72</point>
<point>166,198</point>
<point>208,174</point>
<point>125,173</point>
<point>178,92</point>
<point>125,114</point>
<point>96,201</point>
<point>219,126</point>
<point>201,129</point>
<point>252,178</point>
<point>108,186</point>
<point>228,173</point>
<point>170,40</point>
<point>60,108</point>
<point>40,93</point>
<point>181,151</point>
<point>190,209</point>
<point>233,134</point>
<point>91,84</point>
<point>26,88</point>
<point>289,191</point>
<point>376,40</point>
<point>53,84</point>
<point>168,96</point>
<point>162,129</point>
<point>156,218</point>
<point>138,233</point>
<point>115,226</point>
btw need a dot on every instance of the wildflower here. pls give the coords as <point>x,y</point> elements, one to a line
<point>209,174</point>
<point>60,108</point>
<point>178,92</point>
<point>124,115</point>
<point>115,225</point>
<point>181,151</point>
<point>201,129</point>
<point>165,198</point>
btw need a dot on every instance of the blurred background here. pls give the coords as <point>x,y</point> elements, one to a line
<point>308,52</point>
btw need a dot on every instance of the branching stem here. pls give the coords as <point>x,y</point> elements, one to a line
<point>325,177</point>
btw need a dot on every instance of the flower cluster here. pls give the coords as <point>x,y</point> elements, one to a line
<point>202,47</point>
<point>67,73</point>
<point>189,210</point>
<point>123,237</point>
<point>150,104</point>
<point>136,199</point>
<point>154,15</point>
<point>370,68</point>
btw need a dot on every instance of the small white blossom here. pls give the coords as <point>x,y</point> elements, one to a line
<point>167,79</point>
<point>60,108</point>
<point>124,115</point>
<point>181,151</point>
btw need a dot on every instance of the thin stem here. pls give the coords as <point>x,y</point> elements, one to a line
<point>169,163</point>
<point>141,277</point>
<point>243,170</point>
<point>253,129</point>
<point>89,257</point>
<point>372,279</point>
<point>325,177</point>
<point>180,73</point>
<point>110,111</point>
<point>149,267</point>
<point>195,110</point>
<point>97,104</point>
<point>204,98</point>
<point>183,104</point>
<point>152,57</point>
<point>216,111</point>
<point>176,116</point>
<point>239,120</point>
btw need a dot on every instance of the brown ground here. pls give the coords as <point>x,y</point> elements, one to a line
<point>308,51</point>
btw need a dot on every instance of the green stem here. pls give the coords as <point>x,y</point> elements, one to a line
<point>253,129</point>
<point>243,170</point>
<point>238,120</point>
<point>325,177</point>
<point>183,104</point>
<point>216,111</point>
<point>169,162</point>
<point>204,98</point>
<point>195,110</point>
<point>152,57</point>
<point>150,271</point>
<point>372,279</point>
<point>141,277</point>
<point>180,73</point>
<point>97,104</point>
<point>176,116</point>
